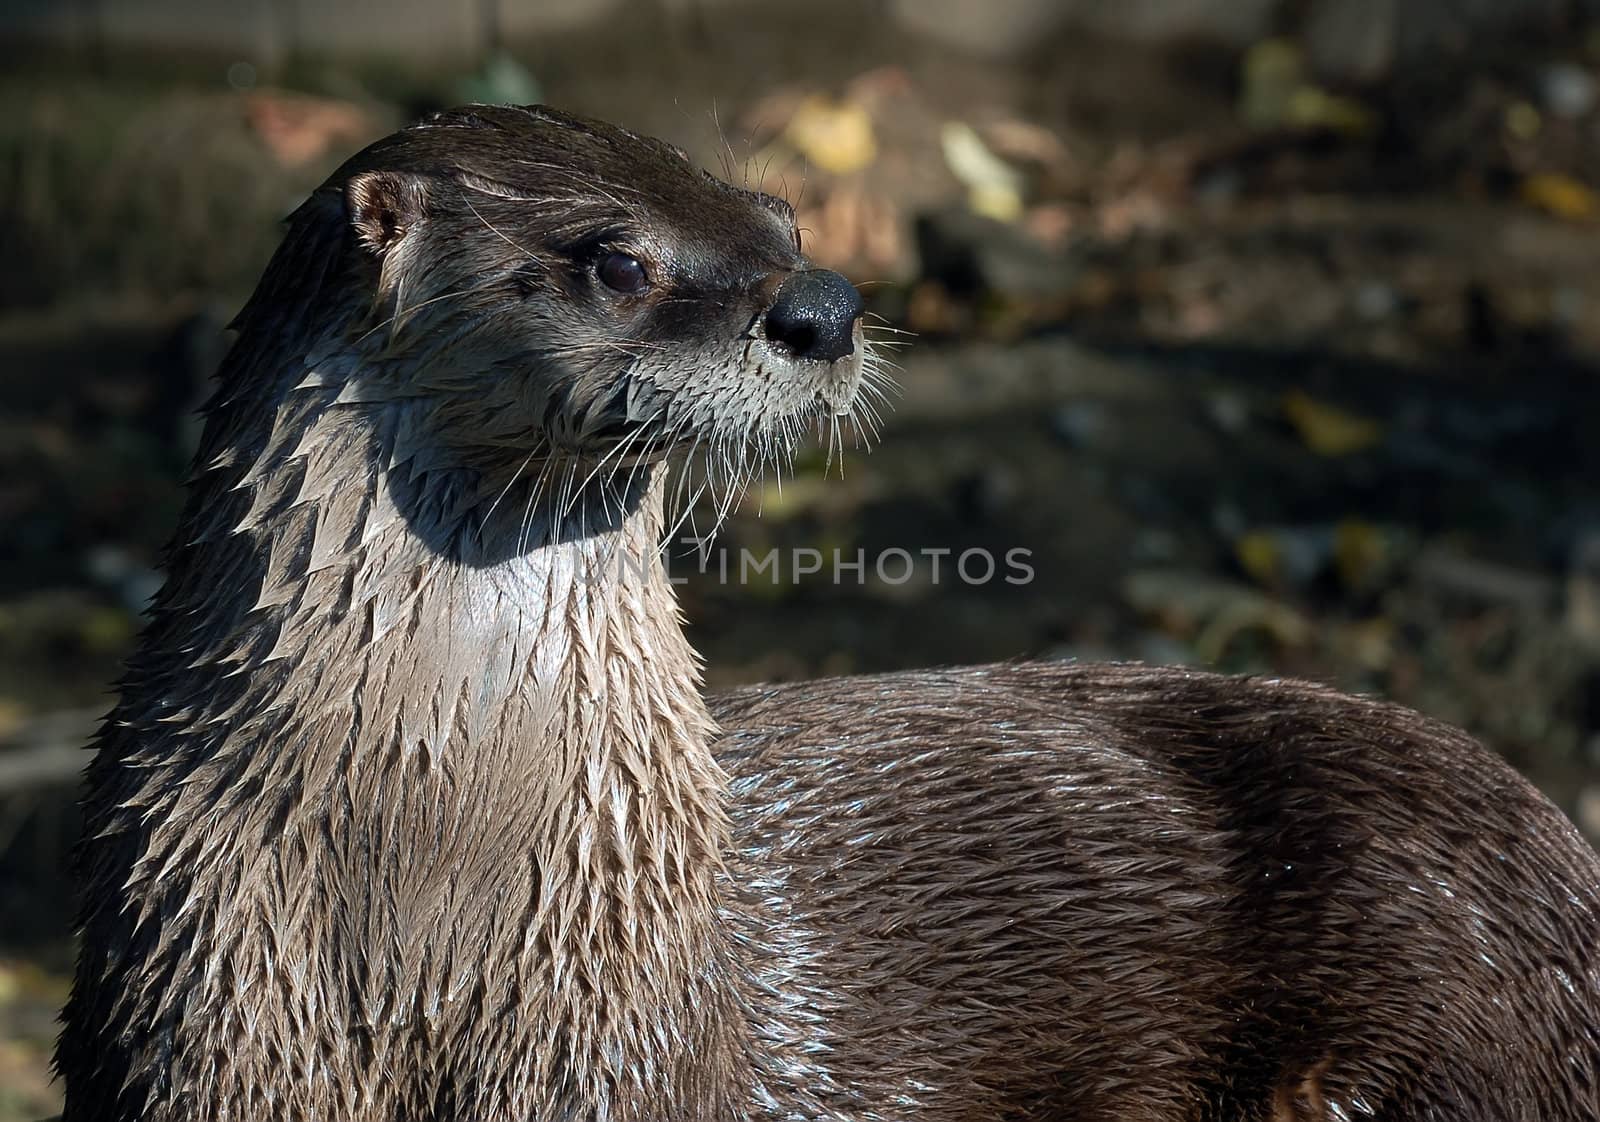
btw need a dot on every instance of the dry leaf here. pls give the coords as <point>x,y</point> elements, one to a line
<point>994,187</point>
<point>1562,196</point>
<point>1328,430</point>
<point>298,129</point>
<point>836,136</point>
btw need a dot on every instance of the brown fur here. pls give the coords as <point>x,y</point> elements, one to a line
<point>412,808</point>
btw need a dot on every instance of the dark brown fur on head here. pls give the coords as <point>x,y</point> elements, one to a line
<point>486,234</point>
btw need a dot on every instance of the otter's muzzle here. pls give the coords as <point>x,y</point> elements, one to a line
<point>814,315</point>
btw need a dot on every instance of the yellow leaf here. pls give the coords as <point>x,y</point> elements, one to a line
<point>1273,70</point>
<point>1359,552</point>
<point>1310,107</point>
<point>1259,555</point>
<point>12,714</point>
<point>836,136</point>
<point>1370,643</point>
<point>106,629</point>
<point>997,202</point>
<point>1277,93</point>
<point>994,187</point>
<point>1562,196</point>
<point>1326,429</point>
<point>779,501</point>
<point>1523,120</point>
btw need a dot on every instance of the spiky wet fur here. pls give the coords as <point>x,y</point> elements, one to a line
<point>412,808</point>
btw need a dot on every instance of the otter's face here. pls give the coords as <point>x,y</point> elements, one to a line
<point>570,290</point>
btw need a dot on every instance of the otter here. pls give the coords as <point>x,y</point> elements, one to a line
<point>412,806</point>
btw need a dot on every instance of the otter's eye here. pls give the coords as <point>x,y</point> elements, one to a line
<point>621,273</point>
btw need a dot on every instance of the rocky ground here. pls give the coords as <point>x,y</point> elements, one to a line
<point>1261,373</point>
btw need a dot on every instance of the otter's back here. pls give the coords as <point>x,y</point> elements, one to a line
<point>1117,891</point>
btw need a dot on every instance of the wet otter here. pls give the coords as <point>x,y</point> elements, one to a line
<point>412,807</point>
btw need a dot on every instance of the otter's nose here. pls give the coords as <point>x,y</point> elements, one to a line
<point>814,315</point>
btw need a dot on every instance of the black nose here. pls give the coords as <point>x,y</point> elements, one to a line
<point>814,315</point>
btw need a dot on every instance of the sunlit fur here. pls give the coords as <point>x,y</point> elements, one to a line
<point>412,809</point>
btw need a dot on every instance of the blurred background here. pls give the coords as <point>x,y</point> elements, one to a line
<point>1270,327</point>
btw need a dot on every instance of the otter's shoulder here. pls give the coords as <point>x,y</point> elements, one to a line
<point>1257,756</point>
<point>1191,718</point>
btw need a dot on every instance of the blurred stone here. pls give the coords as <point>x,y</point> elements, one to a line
<point>395,27</point>
<point>1227,520</point>
<point>49,21</point>
<point>998,28</point>
<point>1348,38</point>
<point>1376,300</point>
<point>1567,89</point>
<point>1583,590</point>
<point>1165,21</point>
<point>1010,27</point>
<point>1366,39</point>
<point>1442,570</point>
<point>970,253</point>
<point>1218,188</point>
<point>113,567</point>
<point>1163,650</point>
<point>502,80</point>
<point>984,496</point>
<point>1153,545</point>
<point>1082,424</point>
<point>1147,498</point>
<point>1084,652</point>
<point>518,20</point>
<point>1352,38</point>
<point>1369,643</point>
<point>1229,411</point>
<point>1291,556</point>
<point>1569,307</point>
<point>1214,611</point>
<point>1588,811</point>
<point>250,29</point>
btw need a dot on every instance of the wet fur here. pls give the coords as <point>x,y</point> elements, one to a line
<point>1128,892</point>
<point>412,807</point>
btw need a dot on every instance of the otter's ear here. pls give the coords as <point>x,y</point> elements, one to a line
<point>383,206</point>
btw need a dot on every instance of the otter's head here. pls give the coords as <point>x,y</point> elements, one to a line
<point>565,290</point>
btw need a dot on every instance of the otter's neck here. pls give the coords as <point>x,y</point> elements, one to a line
<point>470,726</point>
